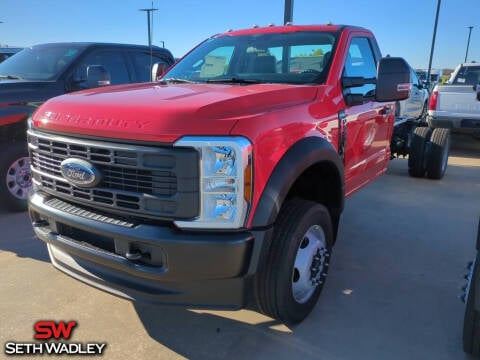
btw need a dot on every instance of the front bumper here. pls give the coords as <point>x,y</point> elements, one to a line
<point>175,267</point>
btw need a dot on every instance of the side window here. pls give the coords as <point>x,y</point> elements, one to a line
<point>113,61</point>
<point>360,62</point>
<point>143,65</point>
<point>414,78</point>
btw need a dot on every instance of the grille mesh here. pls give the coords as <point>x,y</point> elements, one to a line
<point>141,179</point>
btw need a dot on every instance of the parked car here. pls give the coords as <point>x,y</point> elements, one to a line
<point>40,72</point>
<point>415,107</point>
<point>454,105</point>
<point>6,52</point>
<point>471,322</point>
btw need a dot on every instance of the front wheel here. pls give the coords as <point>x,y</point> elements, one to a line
<point>15,177</point>
<point>290,281</point>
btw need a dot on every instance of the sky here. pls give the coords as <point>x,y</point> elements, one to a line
<point>402,27</point>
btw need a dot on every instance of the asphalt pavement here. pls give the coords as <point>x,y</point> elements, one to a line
<point>392,290</point>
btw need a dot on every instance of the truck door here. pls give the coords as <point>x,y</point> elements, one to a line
<point>368,123</point>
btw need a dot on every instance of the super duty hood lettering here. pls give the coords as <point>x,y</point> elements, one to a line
<point>165,113</point>
<point>91,121</point>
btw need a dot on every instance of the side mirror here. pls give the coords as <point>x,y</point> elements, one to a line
<point>393,79</point>
<point>97,75</point>
<point>158,70</point>
<point>478,92</point>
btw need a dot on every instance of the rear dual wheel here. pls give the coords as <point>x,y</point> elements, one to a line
<point>438,156</point>
<point>429,151</point>
<point>418,150</point>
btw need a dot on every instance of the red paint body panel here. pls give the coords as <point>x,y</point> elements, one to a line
<point>283,29</point>
<point>164,113</point>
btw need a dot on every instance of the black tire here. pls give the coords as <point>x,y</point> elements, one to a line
<point>417,155</point>
<point>438,153</point>
<point>15,177</point>
<point>303,231</point>
<point>471,322</point>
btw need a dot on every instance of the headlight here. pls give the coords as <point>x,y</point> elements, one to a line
<point>225,181</point>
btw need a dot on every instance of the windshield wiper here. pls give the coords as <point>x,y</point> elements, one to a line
<point>234,80</point>
<point>176,80</point>
<point>11,77</point>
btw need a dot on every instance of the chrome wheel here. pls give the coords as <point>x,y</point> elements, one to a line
<point>310,264</point>
<point>19,178</point>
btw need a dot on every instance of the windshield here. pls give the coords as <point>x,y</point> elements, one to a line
<point>43,62</point>
<point>294,58</point>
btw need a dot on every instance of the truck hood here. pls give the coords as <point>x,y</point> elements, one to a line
<point>164,113</point>
<point>22,91</point>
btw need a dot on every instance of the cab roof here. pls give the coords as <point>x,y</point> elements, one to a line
<point>271,29</point>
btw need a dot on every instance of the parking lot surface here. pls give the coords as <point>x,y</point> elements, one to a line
<point>392,291</point>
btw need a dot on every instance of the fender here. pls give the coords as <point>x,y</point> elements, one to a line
<point>296,160</point>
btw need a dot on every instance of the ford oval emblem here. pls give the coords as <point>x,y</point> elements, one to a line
<point>80,172</point>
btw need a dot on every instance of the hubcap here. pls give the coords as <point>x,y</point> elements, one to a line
<point>311,261</point>
<point>19,178</point>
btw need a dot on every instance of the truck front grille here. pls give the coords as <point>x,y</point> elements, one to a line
<point>160,182</point>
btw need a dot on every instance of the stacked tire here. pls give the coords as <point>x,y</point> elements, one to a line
<point>429,149</point>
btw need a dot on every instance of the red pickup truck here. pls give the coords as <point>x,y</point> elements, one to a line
<point>222,184</point>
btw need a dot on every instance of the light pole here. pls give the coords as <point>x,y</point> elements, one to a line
<point>149,16</point>
<point>288,13</point>
<point>433,42</point>
<point>468,41</point>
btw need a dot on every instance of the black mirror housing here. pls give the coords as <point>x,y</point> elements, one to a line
<point>393,79</point>
<point>97,75</point>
